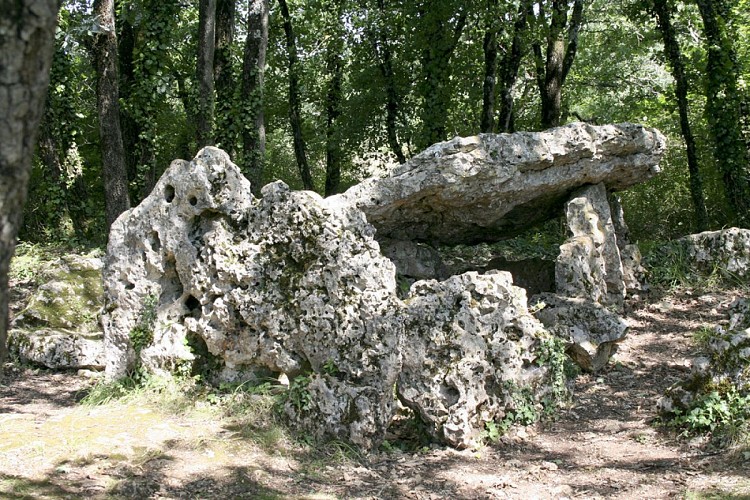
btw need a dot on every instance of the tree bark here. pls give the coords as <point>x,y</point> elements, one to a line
<point>674,56</point>
<point>253,70</point>
<point>723,108</point>
<point>510,66</point>
<point>116,199</point>
<point>552,68</point>
<point>223,76</point>
<point>382,51</point>
<point>335,69</point>
<point>128,125</point>
<point>489,47</point>
<point>295,101</point>
<point>26,47</point>
<point>205,72</point>
<point>441,39</point>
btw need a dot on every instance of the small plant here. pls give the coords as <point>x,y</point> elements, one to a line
<point>142,334</point>
<point>299,393</point>
<point>723,412</point>
<point>703,335</point>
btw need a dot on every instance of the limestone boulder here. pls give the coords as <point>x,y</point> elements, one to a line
<point>723,367</point>
<point>590,330</point>
<point>57,326</point>
<point>202,273</point>
<point>726,251</point>
<point>472,356</point>
<point>489,187</point>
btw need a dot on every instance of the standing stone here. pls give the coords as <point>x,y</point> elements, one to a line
<point>203,274</point>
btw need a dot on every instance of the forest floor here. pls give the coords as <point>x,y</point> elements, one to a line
<point>605,445</point>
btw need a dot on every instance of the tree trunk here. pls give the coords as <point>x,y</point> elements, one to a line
<point>441,39</point>
<point>510,66</point>
<point>128,126</point>
<point>295,101</point>
<point>116,199</point>
<point>335,68</point>
<point>205,72</point>
<point>674,56</point>
<point>223,76</point>
<point>489,46</point>
<point>253,70</point>
<point>553,67</point>
<point>723,108</point>
<point>26,47</point>
<point>382,51</point>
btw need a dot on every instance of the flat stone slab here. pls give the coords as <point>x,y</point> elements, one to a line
<point>490,187</point>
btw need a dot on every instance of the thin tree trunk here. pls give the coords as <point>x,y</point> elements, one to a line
<point>26,47</point>
<point>253,70</point>
<point>335,68</point>
<point>295,101</point>
<point>489,46</point>
<point>673,53</point>
<point>223,76</point>
<point>435,90</point>
<point>723,108</point>
<point>510,66</point>
<point>382,50</point>
<point>128,126</point>
<point>116,199</point>
<point>205,72</point>
<point>553,68</point>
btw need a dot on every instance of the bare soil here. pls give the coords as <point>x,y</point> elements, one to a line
<point>607,444</point>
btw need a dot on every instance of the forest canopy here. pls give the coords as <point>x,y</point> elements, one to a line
<point>322,93</point>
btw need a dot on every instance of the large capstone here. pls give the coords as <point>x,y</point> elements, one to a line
<point>290,283</point>
<point>491,186</point>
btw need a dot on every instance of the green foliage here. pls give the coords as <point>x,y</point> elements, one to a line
<point>298,394</point>
<point>142,334</point>
<point>723,412</point>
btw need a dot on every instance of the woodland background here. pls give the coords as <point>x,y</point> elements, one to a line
<point>321,93</point>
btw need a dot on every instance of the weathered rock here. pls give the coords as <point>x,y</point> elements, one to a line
<point>290,283</point>
<point>58,349</point>
<point>633,272</point>
<point>589,264</point>
<point>58,326</point>
<point>472,355</point>
<point>724,368</point>
<point>488,187</point>
<point>591,331</point>
<point>726,252</point>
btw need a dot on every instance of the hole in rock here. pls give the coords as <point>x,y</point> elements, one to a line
<point>169,193</point>
<point>192,303</point>
<point>193,200</point>
<point>171,286</point>
<point>130,286</point>
<point>155,241</point>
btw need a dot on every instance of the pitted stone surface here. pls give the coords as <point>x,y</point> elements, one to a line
<point>488,187</point>
<point>290,283</point>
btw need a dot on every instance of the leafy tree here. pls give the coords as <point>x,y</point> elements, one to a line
<point>104,50</point>
<point>552,67</point>
<point>26,49</point>
<point>253,71</point>
<point>723,106</point>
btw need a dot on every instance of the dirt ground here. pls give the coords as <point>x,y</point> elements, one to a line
<point>606,445</point>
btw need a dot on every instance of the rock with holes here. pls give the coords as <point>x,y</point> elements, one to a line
<point>488,187</point>
<point>474,357</point>
<point>725,252</point>
<point>203,274</point>
<point>720,376</point>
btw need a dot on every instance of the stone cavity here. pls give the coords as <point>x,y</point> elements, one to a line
<point>489,187</point>
<point>58,324</point>
<point>472,355</point>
